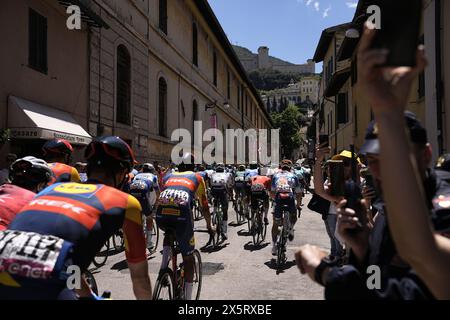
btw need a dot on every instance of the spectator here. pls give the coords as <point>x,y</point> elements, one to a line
<point>413,232</point>
<point>4,173</point>
<point>322,189</point>
<point>401,191</point>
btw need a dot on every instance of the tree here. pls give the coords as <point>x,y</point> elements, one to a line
<point>287,122</point>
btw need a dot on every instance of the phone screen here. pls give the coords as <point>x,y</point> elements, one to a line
<point>399,30</point>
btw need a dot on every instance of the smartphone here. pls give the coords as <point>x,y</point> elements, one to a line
<point>353,195</point>
<point>337,178</point>
<point>399,31</point>
<point>323,139</point>
<point>369,181</point>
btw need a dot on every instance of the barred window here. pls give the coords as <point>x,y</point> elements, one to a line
<point>123,83</point>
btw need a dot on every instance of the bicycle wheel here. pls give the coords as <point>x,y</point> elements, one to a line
<point>254,228</point>
<point>118,241</point>
<point>165,287</point>
<point>155,238</point>
<point>262,225</point>
<point>101,257</point>
<point>197,283</point>
<point>219,219</point>
<point>281,248</point>
<point>91,281</point>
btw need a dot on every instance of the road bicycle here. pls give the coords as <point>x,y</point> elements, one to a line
<point>170,284</point>
<point>198,215</point>
<point>153,234</point>
<point>258,228</point>
<point>283,235</point>
<point>217,219</point>
<point>239,207</point>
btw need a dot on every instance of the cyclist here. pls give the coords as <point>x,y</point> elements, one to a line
<point>174,212</point>
<point>260,187</point>
<point>146,189</point>
<point>68,223</point>
<point>57,153</point>
<point>285,188</point>
<point>221,186</point>
<point>29,176</point>
<point>240,185</point>
<point>301,175</point>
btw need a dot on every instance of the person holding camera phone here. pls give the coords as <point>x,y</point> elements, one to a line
<point>407,186</point>
<point>396,184</point>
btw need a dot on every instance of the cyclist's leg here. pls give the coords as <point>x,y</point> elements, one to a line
<point>224,200</point>
<point>266,208</point>
<point>277,221</point>
<point>186,242</point>
<point>166,253</point>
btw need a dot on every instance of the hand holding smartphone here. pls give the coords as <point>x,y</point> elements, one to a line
<point>399,22</point>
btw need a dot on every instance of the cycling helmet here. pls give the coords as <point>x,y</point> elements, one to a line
<point>148,167</point>
<point>110,149</point>
<point>57,146</point>
<point>254,165</point>
<point>33,169</point>
<point>286,164</point>
<point>220,167</point>
<point>241,168</point>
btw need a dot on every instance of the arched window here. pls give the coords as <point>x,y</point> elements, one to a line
<point>162,107</point>
<point>123,86</point>
<point>163,15</point>
<point>194,44</point>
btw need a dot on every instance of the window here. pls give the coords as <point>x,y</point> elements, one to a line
<point>123,86</point>
<point>194,44</point>
<point>342,108</point>
<point>37,42</point>
<point>228,85</point>
<point>162,107</point>
<point>215,68</point>
<point>163,15</point>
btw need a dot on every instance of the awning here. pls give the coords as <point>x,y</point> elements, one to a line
<point>337,81</point>
<point>87,15</point>
<point>29,120</point>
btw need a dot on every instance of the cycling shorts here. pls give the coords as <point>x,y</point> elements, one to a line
<point>284,200</point>
<point>184,228</point>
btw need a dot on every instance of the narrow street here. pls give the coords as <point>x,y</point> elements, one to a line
<point>237,270</point>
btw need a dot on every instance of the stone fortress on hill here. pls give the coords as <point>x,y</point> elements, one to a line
<point>262,60</point>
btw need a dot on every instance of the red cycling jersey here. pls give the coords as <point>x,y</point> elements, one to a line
<point>64,173</point>
<point>262,181</point>
<point>12,200</point>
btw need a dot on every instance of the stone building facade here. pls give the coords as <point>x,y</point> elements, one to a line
<point>138,69</point>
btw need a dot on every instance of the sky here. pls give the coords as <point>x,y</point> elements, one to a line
<point>290,28</point>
